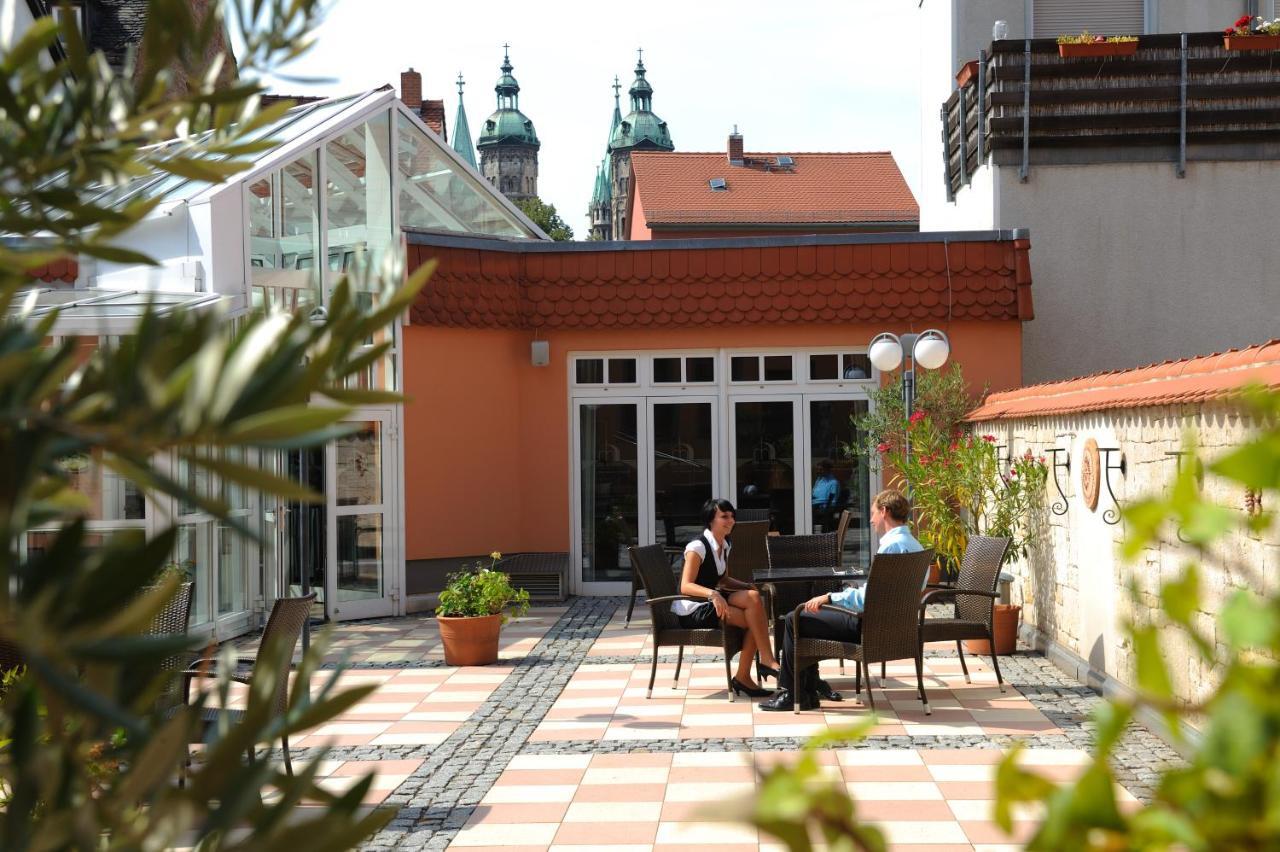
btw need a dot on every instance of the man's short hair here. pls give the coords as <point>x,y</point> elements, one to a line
<point>892,501</point>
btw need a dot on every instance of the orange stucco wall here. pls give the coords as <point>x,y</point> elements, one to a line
<point>638,225</point>
<point>487,435</point>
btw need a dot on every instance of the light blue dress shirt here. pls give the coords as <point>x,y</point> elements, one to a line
<point>896,540</point>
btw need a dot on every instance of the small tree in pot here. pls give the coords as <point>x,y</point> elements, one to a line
<point>472,611</point>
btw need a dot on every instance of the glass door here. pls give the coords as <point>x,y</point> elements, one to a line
<point>682,467</point>
<point>607,472</point>
<point>835,482</point>
<point>763,460</point>
<point>362,509</point>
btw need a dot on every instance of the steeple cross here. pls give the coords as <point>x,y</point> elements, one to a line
<point>640,55</point>
<point>460,85</point>
<point>617,87</point>
<point>506,47</point>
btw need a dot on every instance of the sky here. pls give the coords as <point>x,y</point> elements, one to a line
<point>799,75</point>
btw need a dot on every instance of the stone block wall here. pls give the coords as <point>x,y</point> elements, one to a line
<point>1074,586</point>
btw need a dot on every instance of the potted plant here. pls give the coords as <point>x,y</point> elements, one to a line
<point>1249,33</point>
<point>1088,44</point>
<point>966,73</point>
<point>472,611</point>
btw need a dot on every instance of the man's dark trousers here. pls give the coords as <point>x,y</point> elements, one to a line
<point>843,626</point>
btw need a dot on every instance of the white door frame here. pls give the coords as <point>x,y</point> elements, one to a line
<point>392,519</point>
<point>648,489</point>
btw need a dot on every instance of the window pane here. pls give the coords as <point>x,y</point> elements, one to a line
<point>358,196</point>
<point>840,483</point>
<point>824,367</point>
<point>590,371</point>
<point>622,371</point>
<point>110,496</point>
<point>194,553</point>
<point>284,236</point>
<point>360,557</point>
<point>359,466</point>
<point>434,195</point>
<point>765,461</point>
<point>666,370</point>
<point>745,368</point>
<point>233,566</point>
<point>856,367</point>
<point>682,466</point>
<point>699,369</point>
<point>610,490</point>
<point>777,368</point>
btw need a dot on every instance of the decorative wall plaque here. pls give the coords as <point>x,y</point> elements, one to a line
<point>1090,471</point>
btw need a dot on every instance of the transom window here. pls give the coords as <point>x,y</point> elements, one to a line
<point>839,367</point>
<point>757,369</point>
<point>605,371</point>
<point>693,370</point>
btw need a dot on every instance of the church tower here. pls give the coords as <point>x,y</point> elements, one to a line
<point>462,131</point>
<point>640,130</point>
<point>601,210</point>
<point>508,144</point>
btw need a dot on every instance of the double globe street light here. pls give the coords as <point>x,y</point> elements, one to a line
<point>928,350</point>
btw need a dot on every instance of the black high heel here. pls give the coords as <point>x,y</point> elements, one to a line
<point>739,688</point>
<point>763,671</point>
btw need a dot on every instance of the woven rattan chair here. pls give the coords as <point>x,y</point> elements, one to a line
<point>650,563</point>
<point>284,626</point>
<point>798,551</point>
<point>893,599</point>
<point>842,529</point>
<point>750,552</point>
<point>172,620</point>
<point>742,515</point>
<point>974,597</point>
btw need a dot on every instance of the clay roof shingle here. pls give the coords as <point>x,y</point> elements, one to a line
<point>744,282</point>
<point>65,270</point>
<point>1190,380</point>
<point>849,188</point>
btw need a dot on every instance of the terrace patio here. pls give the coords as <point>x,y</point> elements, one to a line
<point>556,747</point>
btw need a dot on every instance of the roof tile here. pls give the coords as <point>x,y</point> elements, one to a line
<point>828,188</point>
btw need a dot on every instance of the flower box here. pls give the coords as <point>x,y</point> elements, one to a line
<point>966,73</point>
<point>1098,48</point>
<point>1251,42</point>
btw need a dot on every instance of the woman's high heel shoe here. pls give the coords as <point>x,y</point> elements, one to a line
<point>763,671</point>
<point>739,688</point>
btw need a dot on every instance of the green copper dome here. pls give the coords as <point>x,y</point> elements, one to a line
<point>508,125</point>
<point>641,128</point>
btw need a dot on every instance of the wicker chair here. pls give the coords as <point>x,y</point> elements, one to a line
<point>842,529</point>
<point>284,626</point>
<point>650,563</point>
<point>893,598</point>
<point>798,551</point>
<point>172,620</point>
<point>743,515</point>
<point>974,597</point>
<point>750,550</point>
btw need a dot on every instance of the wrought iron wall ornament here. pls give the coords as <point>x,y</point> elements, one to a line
<point>1112,515</point>
<point>1003,463</point>
<point>1089,474</point>
<point>1059,507</point>
<point>1177,455</point>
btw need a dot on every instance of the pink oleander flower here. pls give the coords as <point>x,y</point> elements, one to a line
<point>883,447</point>
<point>990,439</point>
<point>917,416</point>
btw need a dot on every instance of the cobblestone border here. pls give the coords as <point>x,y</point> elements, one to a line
<point>438,799</point>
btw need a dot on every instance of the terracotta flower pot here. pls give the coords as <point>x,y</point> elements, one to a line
<point>966,73</point>
<point>935,573</point>
<point>1251,42</point>
<point>470,640</point>
<point>1099,48</point>
<point>1005,627</point>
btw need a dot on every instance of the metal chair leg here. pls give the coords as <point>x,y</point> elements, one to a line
<point>960,651</point>
<point>995,661</point>
<point>288,765</point>
<point>920,683</point>
<point>679,663</point>
<point>882,675</point>
<point>728,674</point>
<point>653,671</point>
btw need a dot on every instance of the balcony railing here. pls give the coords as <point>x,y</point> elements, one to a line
<point>1179,98</point>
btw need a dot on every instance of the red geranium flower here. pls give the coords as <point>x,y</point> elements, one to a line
<point>917,416</point>
<point>1244,21</point>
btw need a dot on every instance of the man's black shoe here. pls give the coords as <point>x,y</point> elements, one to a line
<point>782,702</point>
<point>825,691</point>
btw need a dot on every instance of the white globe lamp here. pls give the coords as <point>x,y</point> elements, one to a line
<point>932,349</point>
<point>885,352</point>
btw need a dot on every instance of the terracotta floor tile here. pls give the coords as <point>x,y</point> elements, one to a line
<point>618,793</point>
<point>967,789</point>
<point>606,833</point>
<point>540,776</point>
<point>886,773</point>
<point>519,813</point>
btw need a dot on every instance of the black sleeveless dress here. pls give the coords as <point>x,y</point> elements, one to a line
<point>704,617</point>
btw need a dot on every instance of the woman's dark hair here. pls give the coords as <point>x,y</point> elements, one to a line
<point>714,505</point>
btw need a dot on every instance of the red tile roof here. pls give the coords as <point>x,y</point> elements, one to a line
<point>859,188</point>
<point>1190,380</point>
<point>769,280</point>
<point>65,270</point>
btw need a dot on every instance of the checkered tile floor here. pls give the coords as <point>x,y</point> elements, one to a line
<point>606,701</point>
<point>416,639</point>
<point>934,799</point>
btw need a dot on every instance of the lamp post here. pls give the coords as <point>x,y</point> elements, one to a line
<point>928,350</point>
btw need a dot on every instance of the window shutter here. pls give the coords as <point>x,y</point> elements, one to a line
<point>1053,18</point>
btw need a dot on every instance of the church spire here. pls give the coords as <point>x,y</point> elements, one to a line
<point>462,131</point>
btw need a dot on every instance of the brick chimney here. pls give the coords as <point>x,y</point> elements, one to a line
<point>411,89</point>
<point>735,147</point>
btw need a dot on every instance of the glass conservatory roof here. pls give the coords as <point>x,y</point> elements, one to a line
<point>73,305</point>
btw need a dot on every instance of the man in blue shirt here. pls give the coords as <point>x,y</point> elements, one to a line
<point>826,495</point>
<point>889,514</point>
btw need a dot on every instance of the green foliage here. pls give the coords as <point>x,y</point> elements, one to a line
<point>87,758</point>
<point>954,477</point>
<point>545,217</point>
<point>482,590</point>
<point>1087,37</point>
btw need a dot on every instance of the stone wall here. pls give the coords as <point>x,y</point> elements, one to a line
<point>1074,586</point>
